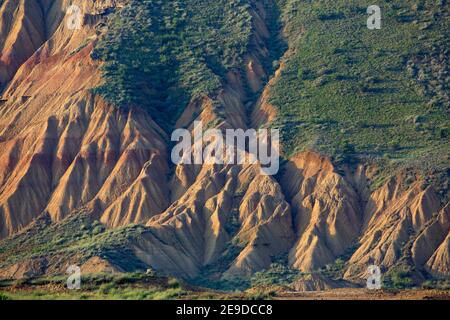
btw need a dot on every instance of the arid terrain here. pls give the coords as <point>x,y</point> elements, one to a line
<point>142,287</point>
<point>86,117</point>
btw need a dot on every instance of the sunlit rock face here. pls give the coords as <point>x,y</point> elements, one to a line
<point>64,149</point>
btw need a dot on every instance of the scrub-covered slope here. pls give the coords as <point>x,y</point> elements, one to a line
<point>351,92</point>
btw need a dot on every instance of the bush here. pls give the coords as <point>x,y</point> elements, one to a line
<point>260,295</point>
<point>4,297</point>
<point>277,274</point>
<point>400,278</point>
<point>440,284</point>
<point>173,283</point>
<point>98,229</point>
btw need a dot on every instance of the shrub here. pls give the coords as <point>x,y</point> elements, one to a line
<point>173,283</point>
<point>4,297</point>
<point>277,274</point>
<point>440,284</point>
<point>260,295</point>
<point>399,278</point>
<point>98,229</point>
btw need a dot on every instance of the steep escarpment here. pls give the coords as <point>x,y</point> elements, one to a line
<point>397,221</point>
<point>327,211</point>
<point>22,32</point>
<point>66,148</point>
<point>431,246</point>
<point>85,169</point>
<point>222,215</point>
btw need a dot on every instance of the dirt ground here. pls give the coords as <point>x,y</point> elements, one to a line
<point>365,294</point>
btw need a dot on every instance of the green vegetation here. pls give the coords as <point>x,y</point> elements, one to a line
<point>77,236</point>
<point>345,91</point>
<point>211,275</point>
<point>128,286</point>
<point>277,274</point>
<point>261,295</point>
<point>354,93</point>
<point>399,277</point>
<point>159,54</point>
<point>134,286</point>
<point>3,296</point>
<point>440,284</point>
<point>337,269</point>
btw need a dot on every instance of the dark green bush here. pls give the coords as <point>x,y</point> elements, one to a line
<point>399,278</point>
<point>440,284</point>
<point>277,274</point>
<point>4,297</point>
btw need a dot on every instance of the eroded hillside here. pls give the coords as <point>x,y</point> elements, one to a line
<point>85,170</point>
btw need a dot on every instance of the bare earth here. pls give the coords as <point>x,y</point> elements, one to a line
<point>364,294</point>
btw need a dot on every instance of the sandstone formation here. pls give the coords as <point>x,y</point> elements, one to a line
<point>62,149</point>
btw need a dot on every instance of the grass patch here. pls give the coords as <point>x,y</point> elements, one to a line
<point>77,236</point>
<point>356,94</point>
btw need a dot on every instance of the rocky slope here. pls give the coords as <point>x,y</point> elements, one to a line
<point>64,149</point>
